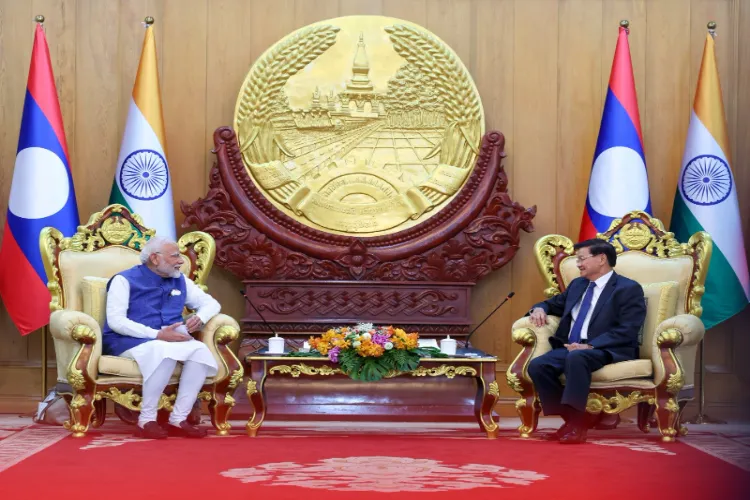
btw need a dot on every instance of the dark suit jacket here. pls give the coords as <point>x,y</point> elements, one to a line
<point>615,322</point>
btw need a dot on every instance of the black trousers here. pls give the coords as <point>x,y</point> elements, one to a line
<point>577,366</point>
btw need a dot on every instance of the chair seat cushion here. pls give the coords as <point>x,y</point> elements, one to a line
<point>637,368</point>
<point>124,367</point>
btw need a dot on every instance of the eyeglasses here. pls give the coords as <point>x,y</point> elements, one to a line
<point>581,259</point>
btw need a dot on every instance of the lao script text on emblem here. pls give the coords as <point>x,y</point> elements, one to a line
<point>359,125</point>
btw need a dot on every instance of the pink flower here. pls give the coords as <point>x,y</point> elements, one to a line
<point>333,354</point>
<point>380,338</point>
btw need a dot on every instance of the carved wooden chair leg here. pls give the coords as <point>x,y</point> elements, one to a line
<point>645,414</point>
<point>81,409</point>
<point>667,413</point>
<point>528,410</point>
<point>100,413</point>
<point>219,407</point>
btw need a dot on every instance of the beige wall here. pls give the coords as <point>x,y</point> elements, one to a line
<point>541,67</point>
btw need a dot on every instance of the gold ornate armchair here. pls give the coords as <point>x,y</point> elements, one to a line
<point>672,275</point>
<point>78,269</point>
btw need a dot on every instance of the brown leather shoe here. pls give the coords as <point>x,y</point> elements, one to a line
<point>151,430</point>
<point>194,417</point>
<point>576,435</point>
<point>186,430</point>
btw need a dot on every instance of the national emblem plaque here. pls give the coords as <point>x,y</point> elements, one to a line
<point>357,183</point>
<point>359,125</point>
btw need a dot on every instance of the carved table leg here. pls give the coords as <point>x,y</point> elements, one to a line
<point>667,416</point>
<point>488,393</point>
<point>255,396</point>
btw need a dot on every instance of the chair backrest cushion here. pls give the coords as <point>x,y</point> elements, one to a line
<point>94,295</point>
<point>661,304</point>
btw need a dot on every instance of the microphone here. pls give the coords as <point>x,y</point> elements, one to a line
<point>510,296</point>
<point>259,314</point>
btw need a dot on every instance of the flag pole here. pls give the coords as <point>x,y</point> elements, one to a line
<point>45,331</point>
<point>701,417</point>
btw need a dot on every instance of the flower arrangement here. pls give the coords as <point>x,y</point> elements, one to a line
<point>369,353</point>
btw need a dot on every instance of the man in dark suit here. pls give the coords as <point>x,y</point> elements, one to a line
<point>600,314</point>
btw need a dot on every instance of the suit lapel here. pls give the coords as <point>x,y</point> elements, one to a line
<point>604,297</point>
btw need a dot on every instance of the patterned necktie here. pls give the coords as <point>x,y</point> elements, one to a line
<point>575,332</point>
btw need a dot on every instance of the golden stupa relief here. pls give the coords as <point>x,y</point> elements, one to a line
<point>360,125</point>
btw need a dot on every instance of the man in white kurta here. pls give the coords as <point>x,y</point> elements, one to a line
<point>145,323</point>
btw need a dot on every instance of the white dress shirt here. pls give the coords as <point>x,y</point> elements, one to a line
<point>599,285</point>
<point>118,299</point>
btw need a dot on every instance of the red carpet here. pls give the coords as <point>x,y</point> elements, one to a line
<point>309,464</point>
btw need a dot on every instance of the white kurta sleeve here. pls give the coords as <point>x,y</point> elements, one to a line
<point>118,299</point>
<point>205,306</point>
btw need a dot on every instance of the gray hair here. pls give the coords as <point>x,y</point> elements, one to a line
<point>154,245</point>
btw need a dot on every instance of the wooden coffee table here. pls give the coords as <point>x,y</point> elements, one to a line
<point>264,366</point>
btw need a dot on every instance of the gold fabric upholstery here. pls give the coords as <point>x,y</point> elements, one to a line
<point>672,275</point>
<point>78,269</point>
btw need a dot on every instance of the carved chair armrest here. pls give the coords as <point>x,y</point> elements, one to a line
<point>217,334</point>
<point>675,352</point>
<point>535,342</point>
<point>78,346</point>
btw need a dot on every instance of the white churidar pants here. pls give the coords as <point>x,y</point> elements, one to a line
<point>157,360</point>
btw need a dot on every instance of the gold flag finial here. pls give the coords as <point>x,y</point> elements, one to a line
<point>39,19</point>
<point>149,20</point>
<point>625,23</point>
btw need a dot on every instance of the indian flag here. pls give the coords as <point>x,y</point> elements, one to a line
<point>706,198</point>
<point>142,181</point>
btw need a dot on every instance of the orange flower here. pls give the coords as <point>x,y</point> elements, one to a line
<point>371,349</point>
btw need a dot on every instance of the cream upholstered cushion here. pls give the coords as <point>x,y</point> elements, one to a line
<point>637,368</point>
<point>94,297</point>
<point>124,367</point>
<point>661,305</point>
<point>103,263</point>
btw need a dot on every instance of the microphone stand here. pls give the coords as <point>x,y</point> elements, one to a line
<point>259,314</point>
<point>507,298</point>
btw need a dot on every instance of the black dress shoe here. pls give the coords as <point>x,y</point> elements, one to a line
<point>555,436</point>
<point>576,435</point>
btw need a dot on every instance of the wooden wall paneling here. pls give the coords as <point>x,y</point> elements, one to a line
<point>452,21</point>
<point>228,59</point>
<point>493,53</point>
<point>741,166</point>
<point>667,99</point>
<point>183,91</point>
<point>16,37</point>
<point>306,12</point>
<point>535,161</point>
<point>408,10</point>
<point>97,120</point>
<point>360,7</point>
<point>579,84</point>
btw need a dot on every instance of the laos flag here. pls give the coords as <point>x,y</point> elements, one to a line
<point>41,195</point>
<point>619,182</point>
